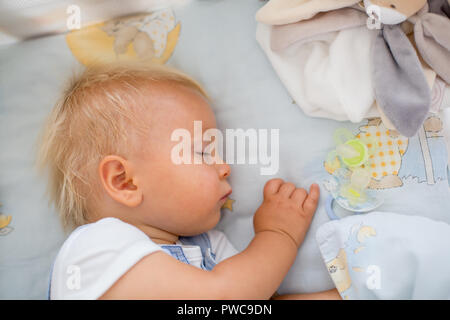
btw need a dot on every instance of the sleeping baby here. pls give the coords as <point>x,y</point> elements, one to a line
<point>142,225</point>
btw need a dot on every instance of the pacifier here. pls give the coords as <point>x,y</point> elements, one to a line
<point>350,179</point>
<point>350,151</point>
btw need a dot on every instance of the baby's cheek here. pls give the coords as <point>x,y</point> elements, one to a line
<point>207,178</point>
<point>204,185</point>
<point>195,186</point>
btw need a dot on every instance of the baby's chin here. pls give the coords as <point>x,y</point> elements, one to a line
<point>206,222</point>
<point>213,219</point>
<point>202,223</point>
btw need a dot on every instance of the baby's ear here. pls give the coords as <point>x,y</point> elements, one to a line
<point>116,175</point>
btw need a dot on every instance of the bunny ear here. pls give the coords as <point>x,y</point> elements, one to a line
<point>323,23</point>
<point>432,36</point>
<point>446,8</point>
<point>401,89</point>
<point>441,7</point>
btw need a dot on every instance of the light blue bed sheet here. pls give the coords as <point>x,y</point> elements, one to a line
<point>383,255</point>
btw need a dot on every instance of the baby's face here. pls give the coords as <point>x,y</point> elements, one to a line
<point>184,199</point>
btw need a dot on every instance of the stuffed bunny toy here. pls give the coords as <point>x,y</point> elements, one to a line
<point>401,89</point>
<point>396,62</point>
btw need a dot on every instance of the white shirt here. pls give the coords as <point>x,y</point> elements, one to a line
<point>96,255</point>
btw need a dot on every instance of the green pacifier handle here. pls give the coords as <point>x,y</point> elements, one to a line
<point>361,151</point>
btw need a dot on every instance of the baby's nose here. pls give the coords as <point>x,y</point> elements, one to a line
<point>224,170</point>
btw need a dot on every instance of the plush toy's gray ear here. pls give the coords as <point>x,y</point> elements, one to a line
<point>446,8</point>
<point>401,89</point>
<point>432,36</point>
<point>441,7</point>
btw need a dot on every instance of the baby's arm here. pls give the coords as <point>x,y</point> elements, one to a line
<point>280,225</point>
<point>332,294</point>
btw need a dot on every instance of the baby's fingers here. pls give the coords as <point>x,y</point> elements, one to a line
<point>311,201</point>
<point>299,196</point>
<point>272,186</point>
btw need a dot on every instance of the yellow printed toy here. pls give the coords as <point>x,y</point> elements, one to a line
<point>386,159</point>
<point>5,227</point>
<point>150,36</point>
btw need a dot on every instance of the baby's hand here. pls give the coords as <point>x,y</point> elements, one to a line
<point>286,209</point>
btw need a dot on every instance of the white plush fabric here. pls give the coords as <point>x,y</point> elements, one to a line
<point>327,76</point>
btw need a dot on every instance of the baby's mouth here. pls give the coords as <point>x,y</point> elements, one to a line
<point>226,195</point>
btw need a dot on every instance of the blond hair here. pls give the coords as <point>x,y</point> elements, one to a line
<point>88,122</point>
